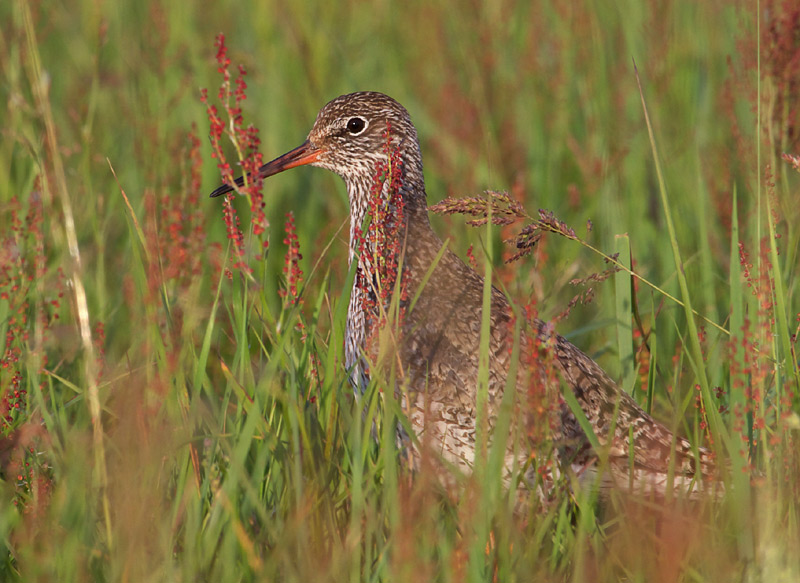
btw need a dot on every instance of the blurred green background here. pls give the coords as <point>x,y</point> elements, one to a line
<point>536,98</point>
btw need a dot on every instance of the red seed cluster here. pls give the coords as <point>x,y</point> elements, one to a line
<point>291,267</point>
<point>752,366</point>
<point>23,277</point>
<point>246,142</point>
<point>13,401</point>
<point>537,357</point>
<point>380,247</point>
<point>31,294</point>
<point>780,62</point>
<point>179,237</point>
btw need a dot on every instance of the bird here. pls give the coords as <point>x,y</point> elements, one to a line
<point>416,307</point>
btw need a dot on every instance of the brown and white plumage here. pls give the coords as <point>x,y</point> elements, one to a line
<point>437,344</point>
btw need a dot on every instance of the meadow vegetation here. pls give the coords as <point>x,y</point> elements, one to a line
<point>172,390</point>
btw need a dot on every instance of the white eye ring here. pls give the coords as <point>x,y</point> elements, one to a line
<point>356,125</point>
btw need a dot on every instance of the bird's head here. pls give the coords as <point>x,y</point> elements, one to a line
<point>350,135</point>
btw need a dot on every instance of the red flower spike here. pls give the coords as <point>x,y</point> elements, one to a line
<point>291,268</point>
<point>246,143</point>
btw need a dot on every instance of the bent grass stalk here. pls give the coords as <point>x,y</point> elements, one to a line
<point>717,427</point>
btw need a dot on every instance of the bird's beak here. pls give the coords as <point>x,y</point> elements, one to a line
<point>305,153</point>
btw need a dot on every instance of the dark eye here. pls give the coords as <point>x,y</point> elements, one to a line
<point>356,125</point>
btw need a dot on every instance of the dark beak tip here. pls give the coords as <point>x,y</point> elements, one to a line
<point>306,153</point>
<point>220,190</point>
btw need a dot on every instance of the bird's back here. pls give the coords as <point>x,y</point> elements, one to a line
<point>439,349</point>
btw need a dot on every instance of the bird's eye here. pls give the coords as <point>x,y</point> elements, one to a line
<point>356,125</point>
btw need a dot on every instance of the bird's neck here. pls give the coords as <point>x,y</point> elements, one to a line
<point>383,203</point>
<point>384,209</point>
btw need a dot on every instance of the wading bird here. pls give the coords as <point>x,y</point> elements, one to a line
<point>368,139</point>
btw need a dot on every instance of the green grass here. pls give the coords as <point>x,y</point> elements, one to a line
<point>169,418</point>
